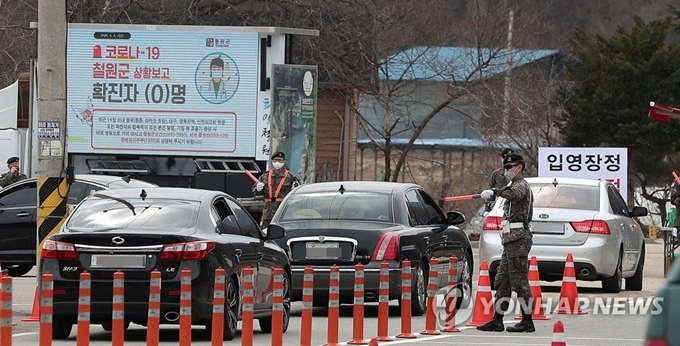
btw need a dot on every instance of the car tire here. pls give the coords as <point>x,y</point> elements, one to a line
<point>419,290</point>
<point>61,330</point>
<point>108,326</point>
<point>613,284</point>
<point>17,270</point>
<point>266,324</point>
<point>231,310</point>
<point>465,283</point>
<point>634,283</point>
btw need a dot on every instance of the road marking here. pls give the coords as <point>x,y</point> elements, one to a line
<point>22,334</point>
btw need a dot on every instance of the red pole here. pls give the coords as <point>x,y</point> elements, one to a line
<point>384,302</point>
<point>432,286</point>
<point>218,307</point>
<point>154,318</point>
<point>185,308</point>
<point>247,314</point>
<point>307,306</point>
<point>358,318</point>
<point>6,314</point>
<point>83,333</point>
<point>117,318</point>
<point>406,289</point>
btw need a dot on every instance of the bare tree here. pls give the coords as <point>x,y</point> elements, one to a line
<point>17,38</point>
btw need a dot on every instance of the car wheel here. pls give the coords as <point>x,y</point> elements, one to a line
<point>634,283</point>
<point>61,330</point>
<point>231,311</point>
<point>613,284</point>
<point>16,270</point>
<point>266,323</point>
<point>464,293</point>
<point>108,326</point>
<point>419,291</point>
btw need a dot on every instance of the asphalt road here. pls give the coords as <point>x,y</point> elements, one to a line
<point>592,328</point>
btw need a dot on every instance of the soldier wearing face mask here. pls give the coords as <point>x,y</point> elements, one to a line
<point>274,185</point>
<point>498,180</point>
<point>517,241</point>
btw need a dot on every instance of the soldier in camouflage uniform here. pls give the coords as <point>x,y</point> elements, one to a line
<point>517,241</point>
<point>274,185</point>
<point>498,180</point>
<point>13,175</point>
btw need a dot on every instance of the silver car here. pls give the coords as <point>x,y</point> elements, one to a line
<point>585,217</point>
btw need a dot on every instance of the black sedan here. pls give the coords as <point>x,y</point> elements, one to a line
<point>169,229</point>
<point>19,214</point>
<point>351,222</point>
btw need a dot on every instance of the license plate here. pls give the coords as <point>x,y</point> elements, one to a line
<point>118,261</point>
<point>323,250</point>
<point>547,228</point>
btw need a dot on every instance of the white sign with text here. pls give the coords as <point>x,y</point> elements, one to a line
<point>593,163</point>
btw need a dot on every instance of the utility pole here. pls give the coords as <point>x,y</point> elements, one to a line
<point>53,180</point>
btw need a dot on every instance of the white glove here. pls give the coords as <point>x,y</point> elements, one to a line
<point>259,186</point>
<point>486,194</point>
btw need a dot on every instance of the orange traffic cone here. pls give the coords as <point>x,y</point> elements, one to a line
<point>35,312</point>
<point>568,303</point>
<point>484,310</point>
<point>535,282</point>
<point>558,335</point>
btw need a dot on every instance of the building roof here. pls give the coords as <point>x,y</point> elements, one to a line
<point>457,63</point>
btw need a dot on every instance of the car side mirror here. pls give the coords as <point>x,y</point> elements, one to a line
<point>275,232</point>
<point>639,212</point>
<point>455,218</point>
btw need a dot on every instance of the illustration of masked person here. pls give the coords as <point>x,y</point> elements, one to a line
<point>217,81</point>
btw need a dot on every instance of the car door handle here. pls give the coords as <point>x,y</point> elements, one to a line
<point>260,256</point>
<point>444,236</point>
<point>426,239</point>
<point>23,214</point>
<point>238,252</point>
<point>256,243</point>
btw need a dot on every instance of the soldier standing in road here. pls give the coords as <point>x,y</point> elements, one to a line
<point>13,175</point>
<point>517,241</point>
<point>274,185</point>
<point>498,180</point>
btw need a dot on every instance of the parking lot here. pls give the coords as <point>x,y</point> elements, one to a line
<point>626,329</point>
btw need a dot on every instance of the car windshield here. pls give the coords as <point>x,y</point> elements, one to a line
<point>103,212</point>
<point>566,196</point>
<point>336,206</point>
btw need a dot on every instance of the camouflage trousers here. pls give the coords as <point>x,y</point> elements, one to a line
<point>512,274</point>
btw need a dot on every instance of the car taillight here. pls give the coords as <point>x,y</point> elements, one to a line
<point>58,250</point>
<point>196,250</point>
<point>387,248</point>
<point>656,342</point>
<point>493,223</point>
<point>591,226</point>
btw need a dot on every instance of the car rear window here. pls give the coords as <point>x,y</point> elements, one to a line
<point>103,212</point>
<point>336,206</point>
<point>565,196</point>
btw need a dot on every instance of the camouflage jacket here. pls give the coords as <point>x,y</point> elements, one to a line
<point>272,201</point>
<point>518,207</point>
<point>8,178</point>
<point>498,181</point>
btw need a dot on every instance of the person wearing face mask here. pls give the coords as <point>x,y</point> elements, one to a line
<point>512,274</point>
<point>498,180</point>
<point>274,185</point>
<point>13,175</point>
<point>217,81</point>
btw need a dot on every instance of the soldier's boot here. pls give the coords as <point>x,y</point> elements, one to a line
<point>525,326</point>
<point>496,324</point>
